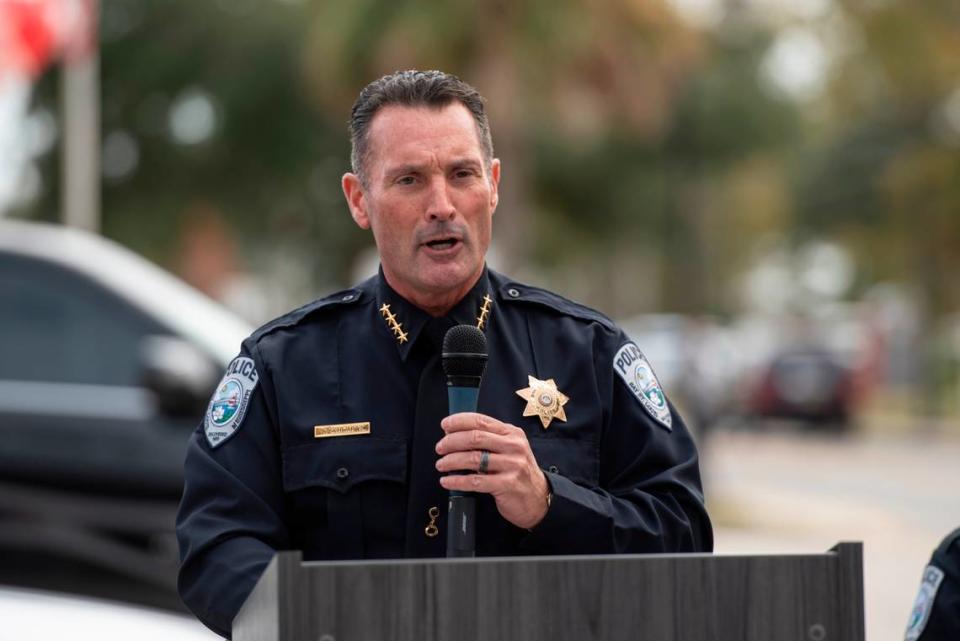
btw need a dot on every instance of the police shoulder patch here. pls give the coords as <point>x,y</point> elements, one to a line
<point>632,366</point>
<point>230,401</point>
<point>920,614</point>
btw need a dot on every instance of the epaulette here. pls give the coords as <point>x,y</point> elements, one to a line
<point>344,297</point>
<point>512,291</point>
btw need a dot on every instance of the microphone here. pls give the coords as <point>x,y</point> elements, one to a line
<point>464,359</point>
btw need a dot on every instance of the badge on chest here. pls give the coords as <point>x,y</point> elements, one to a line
<point>544,400</point>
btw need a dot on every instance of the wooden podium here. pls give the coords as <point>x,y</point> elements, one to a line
<point>668,597</point>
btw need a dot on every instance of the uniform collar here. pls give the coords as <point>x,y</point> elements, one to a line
<point>404,322</point>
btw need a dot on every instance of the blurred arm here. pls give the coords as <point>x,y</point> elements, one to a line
<point>230,522</point>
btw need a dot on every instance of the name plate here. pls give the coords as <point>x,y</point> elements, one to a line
<point>342,429</point>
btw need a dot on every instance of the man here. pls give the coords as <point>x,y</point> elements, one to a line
<point>936,612</point>
<point>328,433</point>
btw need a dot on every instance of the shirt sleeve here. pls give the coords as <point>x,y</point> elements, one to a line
<point>649,498</point>
<point>936,614</point>
<point>230,521</point>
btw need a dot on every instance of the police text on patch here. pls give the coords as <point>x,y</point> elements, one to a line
<point>230,401</point>
<point>631,365</point>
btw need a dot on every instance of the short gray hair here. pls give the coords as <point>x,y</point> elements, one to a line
<point>413,89</point>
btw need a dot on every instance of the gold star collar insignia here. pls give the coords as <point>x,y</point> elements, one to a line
<point>484,311</point>
<point>543,400</point>
<point>395,326</point>
<point>402,337</point>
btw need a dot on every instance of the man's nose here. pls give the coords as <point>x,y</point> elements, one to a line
<point>440,206</point>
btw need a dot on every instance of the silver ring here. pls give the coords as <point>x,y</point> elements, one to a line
<point>484,462</point>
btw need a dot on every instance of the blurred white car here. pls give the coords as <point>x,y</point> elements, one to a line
<point>106,365</point>
<point>33,615</point>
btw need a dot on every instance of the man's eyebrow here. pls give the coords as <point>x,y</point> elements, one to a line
<point>466,161</point>
<point>415,168</point>
<point>400,170</point>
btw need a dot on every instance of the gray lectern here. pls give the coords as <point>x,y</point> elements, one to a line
<point>669,597</point>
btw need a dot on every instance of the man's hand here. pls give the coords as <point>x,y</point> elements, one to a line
<point>513,477</point>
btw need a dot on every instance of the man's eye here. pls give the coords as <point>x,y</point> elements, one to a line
<point>406,180</point>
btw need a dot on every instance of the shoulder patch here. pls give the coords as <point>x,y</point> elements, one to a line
<point>632,366</point>
<point>230,401</point>
<point>920,614</point>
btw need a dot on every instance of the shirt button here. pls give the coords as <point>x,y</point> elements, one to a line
<point>513,292</point>
<point>553,469</point>
<point>343,473</point>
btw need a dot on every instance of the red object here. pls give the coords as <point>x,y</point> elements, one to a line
<point>34,32</point>
<point>27,40</point>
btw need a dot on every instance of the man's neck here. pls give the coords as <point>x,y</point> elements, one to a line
<point>435,304</point>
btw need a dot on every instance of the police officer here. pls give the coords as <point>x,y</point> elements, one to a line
<point>936,612</point>
<point>329,434</point>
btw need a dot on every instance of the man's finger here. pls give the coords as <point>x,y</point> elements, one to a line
<point>458,461</point>
<point>473,440</point>
<point>483,483</point>
<point>465,421</point>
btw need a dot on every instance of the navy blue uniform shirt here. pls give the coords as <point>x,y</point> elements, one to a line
<point>320,438</point>
<point>936,612</point>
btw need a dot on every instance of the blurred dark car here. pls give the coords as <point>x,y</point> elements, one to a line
<point>809,384</point>
<point>106,365</point>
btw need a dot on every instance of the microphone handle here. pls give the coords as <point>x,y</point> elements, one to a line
<point>462,399</point>
<point>461,508</point>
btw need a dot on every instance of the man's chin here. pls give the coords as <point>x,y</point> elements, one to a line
<point>443,279</point>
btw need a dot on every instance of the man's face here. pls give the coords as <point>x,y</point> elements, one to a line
<point>429,200</point>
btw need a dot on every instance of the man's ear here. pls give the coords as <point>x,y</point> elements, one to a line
<point>494,184</point>
<point>356,199</point>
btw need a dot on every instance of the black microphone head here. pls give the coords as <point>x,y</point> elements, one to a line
<point>464,351</point>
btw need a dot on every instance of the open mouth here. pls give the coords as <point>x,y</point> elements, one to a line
<point>442,243</point>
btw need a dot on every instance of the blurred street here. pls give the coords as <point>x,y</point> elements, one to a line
<point>786,491</point>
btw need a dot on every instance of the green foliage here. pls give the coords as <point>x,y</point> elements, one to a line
<point>268,166</point>
<point>888,176</point>
<point>725,114</point>
<point>630,139</point>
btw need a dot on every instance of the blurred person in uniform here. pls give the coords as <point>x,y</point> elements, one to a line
<point>936,612</point>
<point>329,432</point>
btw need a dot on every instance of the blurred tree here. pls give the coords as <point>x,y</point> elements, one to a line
<point>641,152</point>
<point>558,76</point>
<point>614,121</point>
<point>203,108</point>
<point>661,195</point>
<point>239,108</point>
<point>889,173</point>
<point>886,174</point>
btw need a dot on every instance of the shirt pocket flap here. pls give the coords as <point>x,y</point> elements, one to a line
<point>339,464</point>
<point>574,459</point>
